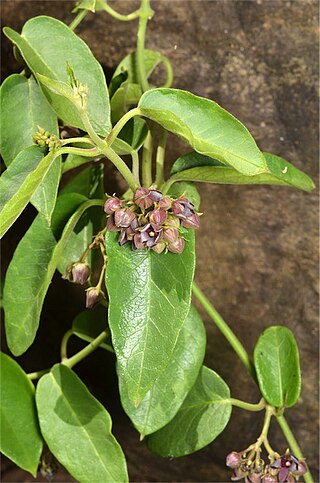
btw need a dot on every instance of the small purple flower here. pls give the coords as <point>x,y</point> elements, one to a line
<point>157,217</point>
<point>124,217</point>
<point>111,205</point>
<point>191,221</point>
<point>111,226</point>
<point>286,464</point>
<point>183,208</point>
<point>233,459</point>
<point>80,272</point>
<point>145,198</point>
<point>165,203</point>
<point>149,236</point>
<point>170,235</point>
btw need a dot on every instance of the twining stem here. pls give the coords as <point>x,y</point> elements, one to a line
<point>244,357</point>
<point>117,128</point>
<point>147,160</point>
<point>161,149</point>
<point>64,344</point>
<point>225,329</point>
<point>76,140</point>
<point>120,16</point>
<point>169,70</point>
<point>144,15</point>
<point>80,16</point>
<point>293,444</point>
<point>72,361</point>
<point>248,406</point>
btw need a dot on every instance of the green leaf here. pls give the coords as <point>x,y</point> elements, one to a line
<point>208,128</point>
<point>186,189</point>
<point>30,272</point>
<point>25,191</point>
<point>147,291</point>
<point>20,436</point>
<point>77,428</point>
<point>89,324</point>
<point>47,45</point>
<point>23,109</point>
<point>165,397</point>
<point>276,359</point>
<point>126,96</point>
<point>195,167</point>
<point>202,417</point>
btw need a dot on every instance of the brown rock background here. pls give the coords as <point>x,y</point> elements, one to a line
<point>257,246</point>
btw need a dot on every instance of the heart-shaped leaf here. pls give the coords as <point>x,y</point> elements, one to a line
<point>165,397</point>
<point>276,359</point>
<point>47,45</point>
<point>20,435</point>
<point>77,428</point>
<point>202,417</point>
<point>206,126</point>
<point>147,292</point>
<point>196,167</point>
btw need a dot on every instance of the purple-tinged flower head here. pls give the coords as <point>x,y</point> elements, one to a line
<point>176,246</point>
<point>111,205</point>
<point>233,459</point>
<point>157,217</point>
<point>287,465</point>
<point>165,203</point>
<point>93,296</point>
<point>80,272</point>
<point>145,198</point>
<point>124,217</point>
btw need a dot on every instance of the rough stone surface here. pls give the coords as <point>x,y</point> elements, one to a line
<point>257,246</point>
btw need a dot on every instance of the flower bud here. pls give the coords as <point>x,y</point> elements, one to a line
<point>155,195</point>
<point>80,272</point>
<point>138,244</point>
<point>165,203</point>
<point>170,235</point>
<point>157,218</point>
<point>253,477</point>
<point>233,459</point>
<point>93,296</point>
<point>159,247</point>
<point>112,204</point>
<point>142,198</point>
<point>301,469</point>
<point>111,226</point>
<point>177,246</point>
<point>124,217</point>
<point>191,221</point>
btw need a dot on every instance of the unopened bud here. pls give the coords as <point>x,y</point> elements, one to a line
<point>111,205</point>
<point>191,221</point>
<point>159,247</point>
<point>80,273</point>
<point>165,203</point>
<point>93,296</point>
<point>157,218</point>
<point>142,198</point>
<point>177,246</point>
<point>170,235</point>
<point>124,217</point>
<point>301,469</point>
<point>111,226</point>
<point>233,459</point>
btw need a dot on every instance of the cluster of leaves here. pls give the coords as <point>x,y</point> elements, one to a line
<point>157,335</point>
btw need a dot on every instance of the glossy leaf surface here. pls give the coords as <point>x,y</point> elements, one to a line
<point>28,278</point>
<point>196,167</point>
<point>20,435</point>
<point>202,417</point>
<point>149,299</point>
<point>206,126</point>
<point>23,109</point>
<point>24,193</point>
<point>90,323</point>
<point>47,45</point>
<point>276,359</point>
<point>165,397</point>
<point>77,428</point>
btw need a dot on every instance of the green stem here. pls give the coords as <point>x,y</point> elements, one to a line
<point>169,70</point>
<point>80,16</point>
<point>100,143</point>
<point>244,357</point>
<point>144,15</point>
<point>167,185</point>
<point>161,149</point>
<point>120,16</point>
<point>72,361</point>
<point>293,444</point>
<point>135,167</point>
<point>121,166</point>
<point>117,128</point>
<point>76,140</point>
<point>36,375</point>
<point>248,406</point>
<point>147,160</point>
<point>64,344</point>
<point>225,329</point>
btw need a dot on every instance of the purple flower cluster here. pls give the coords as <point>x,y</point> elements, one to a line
<point>151,220</point>
<point>286,469</point>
